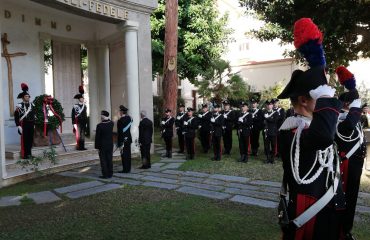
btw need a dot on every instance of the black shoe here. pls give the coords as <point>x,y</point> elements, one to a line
<point>124,171</point>
<point>103,177</point>
<point>349,236</point>
<point>144,167</point>
<point>241,158</point>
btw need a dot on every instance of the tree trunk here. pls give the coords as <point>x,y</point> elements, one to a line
<point>170,78</point>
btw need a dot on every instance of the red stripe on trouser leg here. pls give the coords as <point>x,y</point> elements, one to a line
<point>249,144</point>
<point>276,146</point>
<point>77,134</point>
<point>344,171</point>
<point>22,142</point>
<point>306,231</point>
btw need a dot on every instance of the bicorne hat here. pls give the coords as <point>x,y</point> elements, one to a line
<point>81,92</point>
<point>123,108</point>
<point>308,41</point>
<point>24,91</point>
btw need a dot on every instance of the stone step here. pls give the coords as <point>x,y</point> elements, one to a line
<point>17,174</point>
<point>12,152</point>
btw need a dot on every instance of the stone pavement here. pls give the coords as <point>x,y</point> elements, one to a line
<point>164,175</point>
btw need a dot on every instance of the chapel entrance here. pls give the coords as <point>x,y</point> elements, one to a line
<point>64,76</point>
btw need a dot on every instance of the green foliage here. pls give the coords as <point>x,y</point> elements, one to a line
<point>53,121</point>
<point>218,82</point>
<point>202,36</point>
<point>34,163</point>
<point>341,22</point>
<point>273,92</point>
<point>48,55</point>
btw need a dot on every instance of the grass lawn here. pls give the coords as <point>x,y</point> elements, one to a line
<point>145,213</point>
<point>255,169</point>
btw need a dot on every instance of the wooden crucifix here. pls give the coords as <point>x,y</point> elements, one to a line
<point>8,56</point>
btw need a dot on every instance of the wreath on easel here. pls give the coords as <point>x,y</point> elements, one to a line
<point>49,113</point>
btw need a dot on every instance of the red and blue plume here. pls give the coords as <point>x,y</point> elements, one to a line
<point>346,78</point>
<point>81,89</point>
<point>24,87</point>
<point>308,40</point>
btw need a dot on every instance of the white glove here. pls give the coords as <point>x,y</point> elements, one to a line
<point>200,115</point>
<point>163,122</point>
<point>178,118</point>
<point>225,116</point>
<point>241,119</point>
<point>323,90</point>
<point>20,130</point>
<point>75,126</point>
<point>266,115</point>
<point>355,103</point>
<point>213,120</point>
<point>185,123</point>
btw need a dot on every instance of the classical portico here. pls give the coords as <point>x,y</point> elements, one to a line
<point>116,34</point>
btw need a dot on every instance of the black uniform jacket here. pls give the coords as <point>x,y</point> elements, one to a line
<point>21,109</point>
<point>104,135</point>
<point>205,122</point>
<point>347,128</point>
<point>271,123</point>
<point>167,127</point>
<point>145,131</point>
<point>318,136</point>
<point>82,118</point>
<point>282,114</point>
<point>179,122</point>
<point>190,126</point>
<point>124,137</point>
<point>217,125</point>
<point>230,117</point>
<point>257,116</point>
<point>244,128</point>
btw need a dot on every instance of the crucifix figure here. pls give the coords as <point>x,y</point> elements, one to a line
<point>8,56</point>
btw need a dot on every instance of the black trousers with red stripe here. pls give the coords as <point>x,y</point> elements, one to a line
<point>228,140</point>
<point>205,140</point>
<point>168,141</point>
<point>181,140</point>
<point>190,147</point>
<point>243,144</point>
<point>27,138</point>
<point>255,137</point>
<point>217,151</point>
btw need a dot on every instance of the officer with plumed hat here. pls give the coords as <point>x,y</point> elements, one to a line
<point>79,119</point>
<point>104,143</point>
<point>124,138</point>
<point>351,145</point>
<point>24,117</point>
<point>311,166</point>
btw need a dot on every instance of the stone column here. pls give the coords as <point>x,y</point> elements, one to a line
<point>130,30</point>
<point>2,127</point>
<point>93,88</point>
<point>103,78</point>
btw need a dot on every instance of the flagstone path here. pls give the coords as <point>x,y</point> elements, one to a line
<point>164,175</point>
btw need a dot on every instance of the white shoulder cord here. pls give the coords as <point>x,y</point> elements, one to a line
<point>325,158</point>
<point>359,137</point>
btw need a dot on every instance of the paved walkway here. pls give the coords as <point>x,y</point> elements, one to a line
<point>164,175</point>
